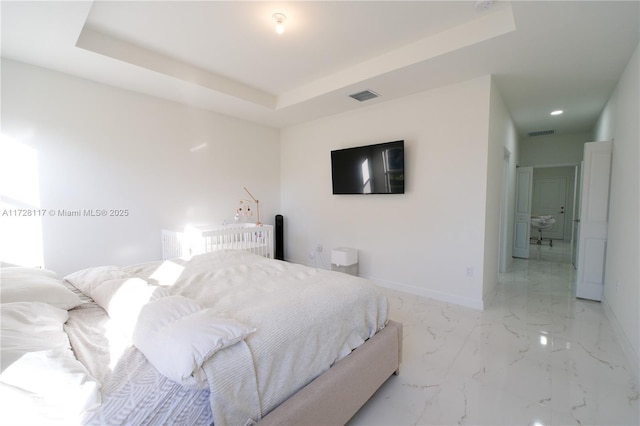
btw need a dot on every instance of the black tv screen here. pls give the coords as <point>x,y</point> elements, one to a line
<point>371,169</point>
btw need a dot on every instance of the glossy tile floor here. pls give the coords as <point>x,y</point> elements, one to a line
<point>536,356</point>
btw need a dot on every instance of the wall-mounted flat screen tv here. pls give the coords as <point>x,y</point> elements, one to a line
<point>371,169</point>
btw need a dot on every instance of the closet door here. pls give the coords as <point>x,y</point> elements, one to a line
<point>521,232</point>
<point>594,220</point>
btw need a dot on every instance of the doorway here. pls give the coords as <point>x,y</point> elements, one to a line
<point>553,193</point>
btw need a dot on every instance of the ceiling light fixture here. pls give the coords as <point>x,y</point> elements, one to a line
<point>483,4</point>
<point>279,18</point>
<point>557,112</point>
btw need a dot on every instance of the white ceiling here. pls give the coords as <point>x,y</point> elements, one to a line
<point>226,56</point>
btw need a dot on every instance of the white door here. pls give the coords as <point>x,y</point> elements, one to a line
<point>550,198</point>
<point>521,232</point>
<point>577,200</point>
<point>594,217</point>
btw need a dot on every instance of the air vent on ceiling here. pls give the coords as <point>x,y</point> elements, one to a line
<point>541,133</point>
<point>365,95</point>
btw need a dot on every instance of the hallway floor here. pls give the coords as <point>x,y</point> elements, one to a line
<point>536,356</point>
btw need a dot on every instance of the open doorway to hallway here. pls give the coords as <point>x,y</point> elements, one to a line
<point>548,196</point>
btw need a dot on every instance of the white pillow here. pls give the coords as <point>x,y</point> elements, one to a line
<point>20,284</point>
<point>86,280</point>
<point>39,372</point>
<point>135,290</point>
<point>27,270</point>
<point>123,299</point>
<point>28,327</point>
<point>177,336</point>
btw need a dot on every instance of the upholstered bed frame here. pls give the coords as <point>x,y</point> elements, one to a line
<point>335,396</point>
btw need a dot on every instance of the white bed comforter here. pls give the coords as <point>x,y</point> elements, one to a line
<point>305,320</point>
<point>133,392</point>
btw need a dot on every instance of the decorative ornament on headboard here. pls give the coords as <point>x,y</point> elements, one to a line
<point>244,208</point>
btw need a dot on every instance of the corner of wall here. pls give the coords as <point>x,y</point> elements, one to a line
<point>502,136</point>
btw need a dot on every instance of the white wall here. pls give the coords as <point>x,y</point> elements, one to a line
<point>103,148</point>
<point>558,150</point>
<point>619,122</point>
<point>500,189</point>
<point>422,241</point>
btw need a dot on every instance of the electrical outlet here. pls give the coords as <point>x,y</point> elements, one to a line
<point>469,271</point>
<point>319,248</point>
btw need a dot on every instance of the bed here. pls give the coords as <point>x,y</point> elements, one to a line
<point>225,337</point>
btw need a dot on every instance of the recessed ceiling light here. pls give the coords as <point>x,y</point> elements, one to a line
<point>557,112</point>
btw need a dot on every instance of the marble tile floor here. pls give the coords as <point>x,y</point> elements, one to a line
<point>535,356</point>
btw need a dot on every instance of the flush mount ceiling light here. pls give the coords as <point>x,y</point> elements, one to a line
<point>481,5</point>
<point>279,18</point>
<point>557,112</point>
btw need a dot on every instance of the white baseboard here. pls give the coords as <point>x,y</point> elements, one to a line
<point>627,347</point>
<point>431,294</point>
<point>411,289</point>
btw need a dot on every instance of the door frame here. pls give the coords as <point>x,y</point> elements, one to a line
<point>504,253</point>
<point>577,182</point>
